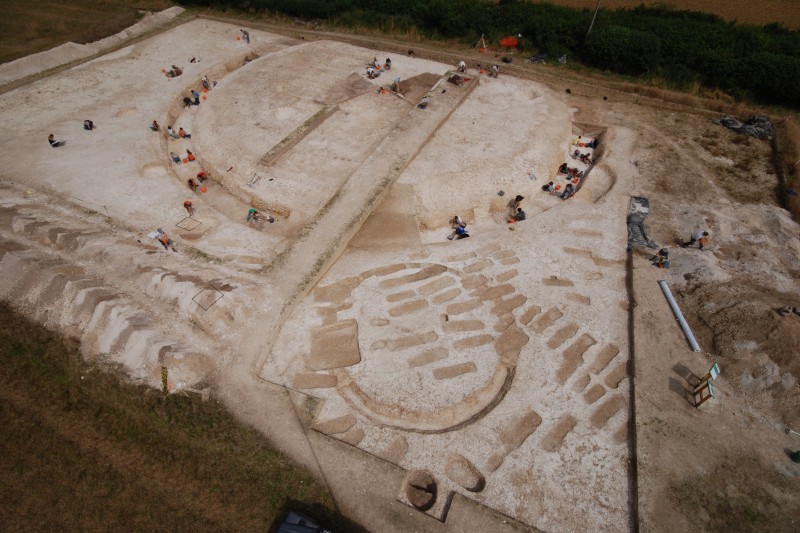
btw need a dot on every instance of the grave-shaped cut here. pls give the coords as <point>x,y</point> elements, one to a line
<point>334,346</point>
<point>466,474</point>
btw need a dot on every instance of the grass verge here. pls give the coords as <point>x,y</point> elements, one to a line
<point>83,450</point>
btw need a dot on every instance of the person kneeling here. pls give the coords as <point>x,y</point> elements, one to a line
<point>255,216</point>
<point>519,216</point>
<point>55,143</point>
<point>165,241</point>
<point>661,259</point>
<point>459,230</point>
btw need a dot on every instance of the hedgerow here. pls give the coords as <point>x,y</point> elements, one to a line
<point>759,63</point>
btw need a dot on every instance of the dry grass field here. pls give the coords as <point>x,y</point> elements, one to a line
<point>83,450</point>
<point>785,12</point>
<point>30,27</point>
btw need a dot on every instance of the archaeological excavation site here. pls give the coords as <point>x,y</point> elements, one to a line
<point>531,377</point>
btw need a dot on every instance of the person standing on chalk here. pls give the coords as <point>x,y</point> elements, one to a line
<point>246,35</point>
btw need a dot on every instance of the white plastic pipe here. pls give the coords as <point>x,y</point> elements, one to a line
<point>682,321</point>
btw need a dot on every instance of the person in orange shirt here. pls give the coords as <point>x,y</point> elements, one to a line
<point>165,241</point>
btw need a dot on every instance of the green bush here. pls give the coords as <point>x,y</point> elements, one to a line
<point>681,47</point>
<point>623,50</point>
<point>771,77</point>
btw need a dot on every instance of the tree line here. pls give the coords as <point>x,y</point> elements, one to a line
<point>760,63</point>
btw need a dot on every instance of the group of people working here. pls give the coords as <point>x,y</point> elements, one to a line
<point>573,175</point>
<point>374,68</point>
<point>514,211</point>
<point>700,238</point>
<point>174,72</point>
<point>88,125</point>
<point>459,228</point>
<point>177,159</point>
<point>493,72</point>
